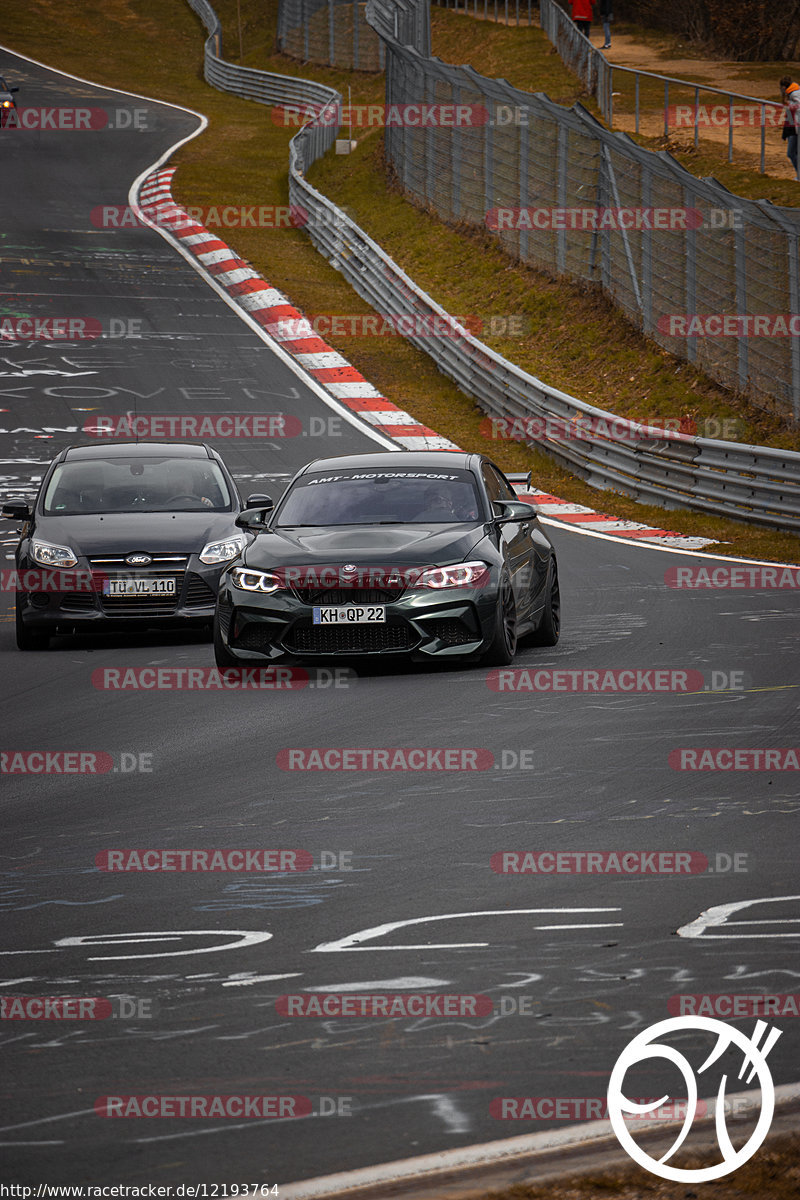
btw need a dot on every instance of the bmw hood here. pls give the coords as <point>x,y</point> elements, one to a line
<point>364,545</point>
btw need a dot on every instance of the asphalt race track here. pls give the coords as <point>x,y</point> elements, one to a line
<point>575,964</point>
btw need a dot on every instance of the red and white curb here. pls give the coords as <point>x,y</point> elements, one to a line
<point>578,515</point>
<point>287,326</point>
<point>279,318</point>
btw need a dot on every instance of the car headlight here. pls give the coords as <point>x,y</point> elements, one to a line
<point>47,555</point>
<point>255,581</point>
<point>470,574</point>
<point>223,551</point>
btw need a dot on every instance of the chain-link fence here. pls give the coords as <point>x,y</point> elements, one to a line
<point>330,32</point>
<point>711,277</point>
<point>751,483</point>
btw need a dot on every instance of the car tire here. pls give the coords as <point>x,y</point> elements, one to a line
<point>222,655</point>
<point>503,646</point>
<point>548,630</point>
<point>26,638</point>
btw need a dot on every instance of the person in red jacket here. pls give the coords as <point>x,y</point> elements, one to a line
<point>582,15</point>
<point>790,94</point>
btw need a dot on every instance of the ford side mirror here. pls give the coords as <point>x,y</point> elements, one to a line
<point>17,511</point>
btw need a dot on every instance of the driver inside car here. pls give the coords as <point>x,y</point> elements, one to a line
<point>439,506</point>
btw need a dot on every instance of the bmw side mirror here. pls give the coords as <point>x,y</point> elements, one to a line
<point>253,518</point>
<point>513,510</point>
<point>257,500</point>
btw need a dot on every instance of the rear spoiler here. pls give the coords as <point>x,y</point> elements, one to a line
<point>523,478</point>
<point>519,477</point>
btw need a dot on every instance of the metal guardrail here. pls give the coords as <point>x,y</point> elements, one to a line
<point>598,76</point>
<point>751,483</point>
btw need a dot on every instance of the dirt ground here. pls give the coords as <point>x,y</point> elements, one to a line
<point>713,118</point>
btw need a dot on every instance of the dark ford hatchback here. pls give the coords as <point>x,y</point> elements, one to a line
<point>129,533</point>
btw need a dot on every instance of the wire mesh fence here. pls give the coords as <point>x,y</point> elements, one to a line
<point>712,277</point>
<point>751,483</point>
<point>330,32</point>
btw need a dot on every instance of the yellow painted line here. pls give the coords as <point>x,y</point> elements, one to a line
<point>778,687</point>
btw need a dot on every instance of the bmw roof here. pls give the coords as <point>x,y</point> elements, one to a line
<point>400,459</point>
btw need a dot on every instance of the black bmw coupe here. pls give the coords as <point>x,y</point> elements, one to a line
<point>429,555</point>
<point>124,534</point>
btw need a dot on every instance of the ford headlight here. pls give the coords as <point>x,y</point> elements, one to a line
<point>47,555</point>
<point>223,551</point>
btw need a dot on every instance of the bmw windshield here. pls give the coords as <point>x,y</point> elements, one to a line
<point>128,485</point>
<point>381,497</point>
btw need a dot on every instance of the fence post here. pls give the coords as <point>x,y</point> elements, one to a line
<point>647,253</point>
<point>740,261</point>
<point>455,160</point>
<point>563,162</point>
<point>355,10</point>
<point>793,272</point>
<point>636,85</point>
<point>666,110</point>
<point>522,135</point>
<point>430,172</point>
<point>690,286</point>
<point>610,87</point>
<point>488,168</point>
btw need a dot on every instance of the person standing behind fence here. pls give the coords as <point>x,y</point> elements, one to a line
<point>606,15</point>
<point>582,15</point>
<point>790,92</point>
